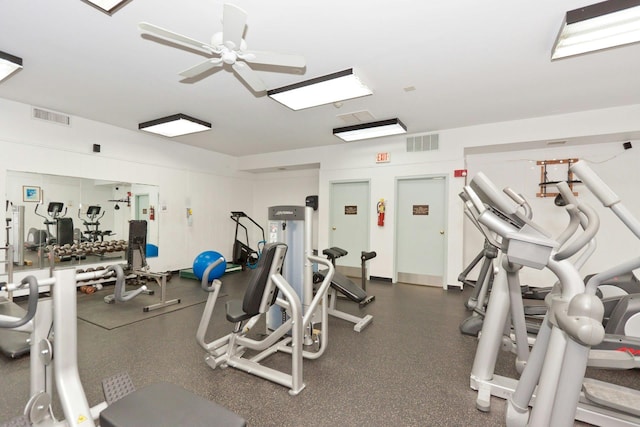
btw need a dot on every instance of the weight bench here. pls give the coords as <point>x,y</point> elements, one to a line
<point>344,285</point>
<point>160,405</point>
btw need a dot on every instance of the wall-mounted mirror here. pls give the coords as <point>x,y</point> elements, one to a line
<point>48,210</point>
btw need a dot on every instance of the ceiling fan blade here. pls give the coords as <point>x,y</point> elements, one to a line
<point>202,67</point>
<point>273,58</point>
<point>233,22</point>
<point>175,37</point>
<point>249,76</point>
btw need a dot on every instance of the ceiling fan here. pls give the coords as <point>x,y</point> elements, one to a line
<point>229,48</point>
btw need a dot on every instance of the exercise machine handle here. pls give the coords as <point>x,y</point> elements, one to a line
<point>32,305</point>
<point>498,198</point>
<point>520,200</point>
<point>119,293</point>
<point>324,287</point>
<point>365,256</point>
<point>606,195</point>
<point>595,184</point>
<point>205,283</point>
<point>592,226</point>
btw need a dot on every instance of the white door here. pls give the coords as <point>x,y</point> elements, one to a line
<point>142,207</point>
<point>349,222</point>
<point>420,228</point>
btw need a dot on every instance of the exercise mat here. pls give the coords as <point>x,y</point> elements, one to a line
<point>93,309</point>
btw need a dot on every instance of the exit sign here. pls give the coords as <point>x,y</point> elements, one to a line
<point>383,158</point>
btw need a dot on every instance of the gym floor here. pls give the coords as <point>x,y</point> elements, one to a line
<point>410,367</point>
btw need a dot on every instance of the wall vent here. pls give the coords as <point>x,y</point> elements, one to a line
<point>50,116</point>
<point>428,142</point>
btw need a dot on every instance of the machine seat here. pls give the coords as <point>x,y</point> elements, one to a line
<point>235,313</point>
<point>344,285</point>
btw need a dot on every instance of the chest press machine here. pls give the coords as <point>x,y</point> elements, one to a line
<point>302,333</point>
<point>159,405</point>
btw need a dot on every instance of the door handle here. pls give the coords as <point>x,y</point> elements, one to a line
<point>441,231</point>
<point>333,228</point>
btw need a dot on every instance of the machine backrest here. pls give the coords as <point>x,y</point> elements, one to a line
<point>137,249</point>
<point>261,292</point>
<point>64,231</point>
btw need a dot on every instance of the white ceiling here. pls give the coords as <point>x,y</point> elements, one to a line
<point>469,61</point>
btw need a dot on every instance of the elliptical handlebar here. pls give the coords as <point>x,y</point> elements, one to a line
<point>509,202</point>
<point>606,195</point>
<point>92,217</point>
<point>595,184</point>
<point>590,231</point>
<point>32,305</point>
<point>520,201</point>
<point>55,212</point>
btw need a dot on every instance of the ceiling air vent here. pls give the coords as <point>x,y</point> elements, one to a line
<point>422,142</point>
<point>50,116</point>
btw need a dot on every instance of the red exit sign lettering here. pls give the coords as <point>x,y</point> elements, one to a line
<point>383,158</point>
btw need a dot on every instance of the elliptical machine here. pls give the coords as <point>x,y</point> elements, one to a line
<point>93,232</point>
<point>54,212</point>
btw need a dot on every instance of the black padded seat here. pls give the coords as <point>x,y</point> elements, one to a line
<point>167,405</point>
<point>235,313</point>
<point>344,285</point>
<point>64,231</point>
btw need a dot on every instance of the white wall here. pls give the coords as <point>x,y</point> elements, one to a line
<point>214,184</point>
<point>186,176</point>
<point>282,188</point>
<point>357,161</point>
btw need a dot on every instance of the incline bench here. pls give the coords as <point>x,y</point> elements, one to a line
<point>347,287</point>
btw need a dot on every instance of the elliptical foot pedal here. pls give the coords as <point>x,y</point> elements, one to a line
<point>612,396</point>
<point>167,405</point>
<point>117,387</point>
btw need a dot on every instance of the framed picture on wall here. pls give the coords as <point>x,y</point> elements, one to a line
<point>30,193</point>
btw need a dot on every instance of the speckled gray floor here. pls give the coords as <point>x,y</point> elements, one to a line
<point>410,367</point>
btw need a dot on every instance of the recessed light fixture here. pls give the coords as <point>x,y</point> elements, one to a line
<point>598,26</point>
<point>327,89</point>
<point>107,6</point>
<point>370,130</point>
<point>9,64</point>
<point>176,125</point>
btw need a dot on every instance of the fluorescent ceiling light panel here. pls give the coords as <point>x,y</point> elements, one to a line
<point>598,26</point>
<point>107,6</point>
<point>327,89</point>
<point>176,125</point>
<point>9,64</point>
<point>370,130</point>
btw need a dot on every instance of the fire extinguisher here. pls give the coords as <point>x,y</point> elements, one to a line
<point>380,209</point>
<point>152,213</point>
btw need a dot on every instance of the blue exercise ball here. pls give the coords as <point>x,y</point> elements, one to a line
<point>204,260</point>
